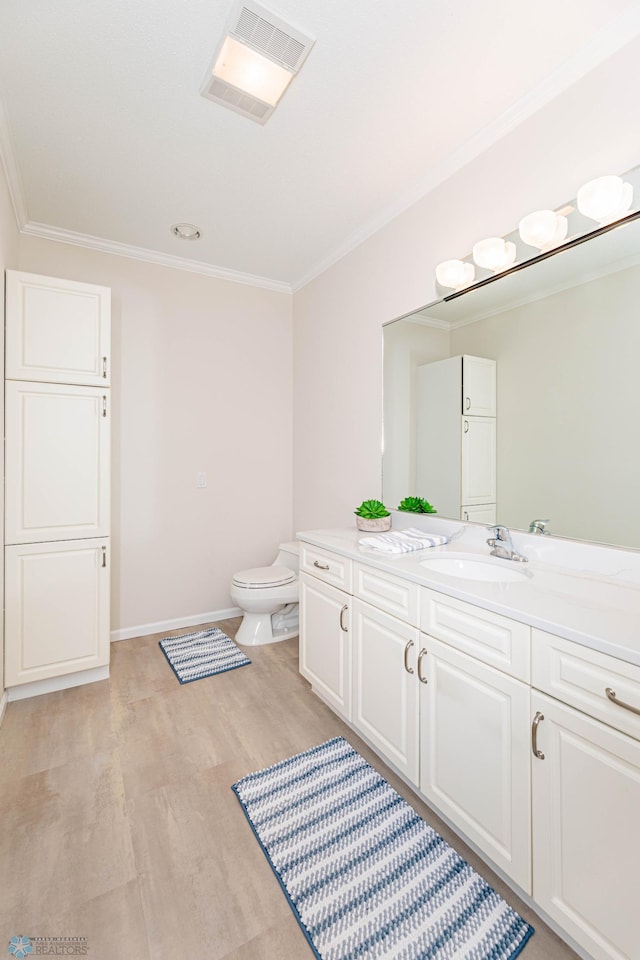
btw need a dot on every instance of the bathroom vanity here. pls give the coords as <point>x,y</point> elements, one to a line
<point>510,703</point>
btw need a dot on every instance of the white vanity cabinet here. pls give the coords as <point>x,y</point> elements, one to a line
<point>527,743</point>
<point>325,605</point>
<point>386,692</point>
<point>456,435</point>
<point>474,728</point>
<point>586,795</point>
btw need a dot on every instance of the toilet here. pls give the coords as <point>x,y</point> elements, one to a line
<point>268,598</point>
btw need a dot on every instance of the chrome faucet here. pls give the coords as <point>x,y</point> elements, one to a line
<point>539,526</point>
<point>503,544</point>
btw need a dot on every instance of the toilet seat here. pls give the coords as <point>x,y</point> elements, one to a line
<point>261,578</point>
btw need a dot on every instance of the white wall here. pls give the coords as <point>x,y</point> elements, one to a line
<point>8,261</point>
<point>202,380</point>
<point>585,132</point>
<point>406,346</point>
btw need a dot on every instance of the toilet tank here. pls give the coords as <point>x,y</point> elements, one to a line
<point>288,556</point>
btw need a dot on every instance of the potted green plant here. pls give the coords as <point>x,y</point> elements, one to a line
<point>416,505</point>
<point>372,515</point>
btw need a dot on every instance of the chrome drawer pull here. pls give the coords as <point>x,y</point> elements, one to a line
<point>406,654</point>
<point>534,735</point>
<point>611,694</point>
<point>342,613</point>
<point>422,654</point>
<point>321,566</point>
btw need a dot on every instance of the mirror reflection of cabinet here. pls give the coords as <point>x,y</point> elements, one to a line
<point>456,437</point>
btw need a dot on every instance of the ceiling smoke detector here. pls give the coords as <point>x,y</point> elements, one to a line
<point>186,231</point>
<point>255,62</point>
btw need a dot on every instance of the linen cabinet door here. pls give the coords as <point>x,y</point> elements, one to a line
<point>57,462</point>
<point>586,837</point>
<point>385,685</point>
<point>58,331</point>
<point>57,609</point>
<point>474,755</point>
<point>325,651</point>
<point>478,467</point>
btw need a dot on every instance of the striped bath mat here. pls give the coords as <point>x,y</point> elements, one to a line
<point>202,654</point>
<point>366,877</point>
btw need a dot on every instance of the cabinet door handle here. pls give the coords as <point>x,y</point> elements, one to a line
<point>104,367</point>
<point>468,403</point>
<point>406,654</point>
<point>104,556</point>
<point>466,426</point>
<point>321,566</point>
<point>534,735</point>
<point>342,613</point>
<point>104,406</point>
<point>611,694</point>
<point>422,654</point>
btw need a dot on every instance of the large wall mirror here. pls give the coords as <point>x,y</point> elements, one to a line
<point>565,334</point>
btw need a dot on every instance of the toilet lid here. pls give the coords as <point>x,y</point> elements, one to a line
<point>264,577</point>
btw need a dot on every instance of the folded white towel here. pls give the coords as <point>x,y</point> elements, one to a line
<point>404,541</point>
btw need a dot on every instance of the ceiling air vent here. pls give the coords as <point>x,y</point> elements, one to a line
<point>265,38</point>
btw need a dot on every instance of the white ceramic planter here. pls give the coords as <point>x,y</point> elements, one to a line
<point>379,525</point>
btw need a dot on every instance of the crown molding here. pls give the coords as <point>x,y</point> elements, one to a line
<point>620,32</point>
<point>8,161</point>
<point>46,232</point>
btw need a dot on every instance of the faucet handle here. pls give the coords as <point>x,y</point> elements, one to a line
<point>500,532</point>
<point>538,526</point>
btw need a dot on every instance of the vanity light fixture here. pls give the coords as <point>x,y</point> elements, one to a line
<point>544,229</point>
<point>186,231</point>
<point>455,273</point>
<point>494,253</point>
<point>605,199</point>
<point>255,61</point>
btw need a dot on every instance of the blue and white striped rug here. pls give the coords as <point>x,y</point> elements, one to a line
<point>202,654</point>
<point>366,877</point>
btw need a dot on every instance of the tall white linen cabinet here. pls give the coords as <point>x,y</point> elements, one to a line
<point>57,486</point>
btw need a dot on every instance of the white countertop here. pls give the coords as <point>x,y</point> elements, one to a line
<point>594,604</point>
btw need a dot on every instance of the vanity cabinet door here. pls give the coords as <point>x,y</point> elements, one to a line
<point>586,834</point>
<point>474,754</point>
<point>325,651</point>
<point>385,685</point>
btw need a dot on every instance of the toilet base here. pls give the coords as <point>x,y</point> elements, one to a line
<point>256,630</point>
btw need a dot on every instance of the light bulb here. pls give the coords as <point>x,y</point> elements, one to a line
<point>605,199</point>
<point>494,253</point>
<point>544,229</point>
<point>455,273</point>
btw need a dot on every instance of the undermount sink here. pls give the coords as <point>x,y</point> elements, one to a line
<point>472,567</point>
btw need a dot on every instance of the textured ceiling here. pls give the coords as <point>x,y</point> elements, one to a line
<point>112,140</point>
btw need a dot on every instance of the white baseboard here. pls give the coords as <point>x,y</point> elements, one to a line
<point>52,684</point>
<point>163,626</point>
<point>4,700</point>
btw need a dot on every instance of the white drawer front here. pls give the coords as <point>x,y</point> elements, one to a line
<point>398,597</point>
<point>581,677</point>
<point>496,640</point>
<point>327,566</point>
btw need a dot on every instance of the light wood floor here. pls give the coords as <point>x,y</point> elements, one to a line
<point>118,824</point>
